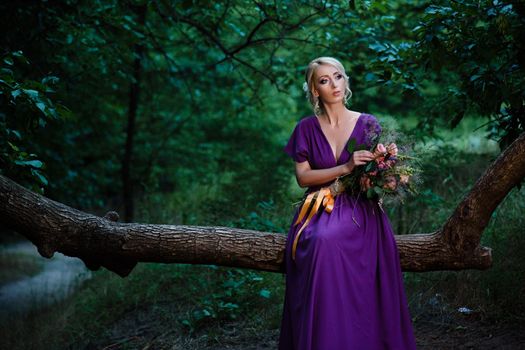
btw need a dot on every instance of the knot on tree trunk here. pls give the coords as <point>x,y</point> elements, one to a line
<point>112,216</point>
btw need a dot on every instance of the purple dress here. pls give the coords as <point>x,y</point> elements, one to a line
<point>344,290</point>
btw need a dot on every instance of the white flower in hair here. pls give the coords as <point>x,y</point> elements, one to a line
<point>305,86</point>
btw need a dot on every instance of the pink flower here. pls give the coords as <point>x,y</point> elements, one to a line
<point>392,149</point>
<point>381,148</point>
<point>380,160</point>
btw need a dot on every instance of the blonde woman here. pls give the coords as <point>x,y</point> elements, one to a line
<point>344,286</point>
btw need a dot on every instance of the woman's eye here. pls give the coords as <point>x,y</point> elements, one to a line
<point>323,81</point>
<point>339,76</point>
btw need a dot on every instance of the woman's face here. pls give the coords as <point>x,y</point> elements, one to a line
<point>329,84</point>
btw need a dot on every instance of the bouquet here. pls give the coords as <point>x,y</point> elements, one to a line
<point>393,173</point>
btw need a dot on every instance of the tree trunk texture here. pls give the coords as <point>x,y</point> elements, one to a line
<point>53,226</point>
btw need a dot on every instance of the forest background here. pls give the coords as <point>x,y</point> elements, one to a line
<point>178,112</point>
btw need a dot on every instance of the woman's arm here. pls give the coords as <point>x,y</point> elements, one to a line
<point>307,177</point>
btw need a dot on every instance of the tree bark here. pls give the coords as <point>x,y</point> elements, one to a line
<point>53,226</point>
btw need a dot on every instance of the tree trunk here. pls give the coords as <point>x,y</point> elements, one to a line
<point>53,226</point>
<point>134,93</point>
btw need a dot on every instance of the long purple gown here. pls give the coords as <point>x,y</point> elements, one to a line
<point>344,290</point>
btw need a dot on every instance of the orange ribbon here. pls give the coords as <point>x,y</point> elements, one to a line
<point>324,198</point>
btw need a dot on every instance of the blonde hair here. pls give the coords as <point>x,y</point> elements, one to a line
<point>308,86</point>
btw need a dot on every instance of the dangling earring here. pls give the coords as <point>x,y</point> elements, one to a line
<point>317,109</point>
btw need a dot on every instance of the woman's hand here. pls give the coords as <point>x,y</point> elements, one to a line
<point>359,158</point>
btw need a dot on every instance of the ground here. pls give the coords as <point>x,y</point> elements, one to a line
<point>437,324</point>
<point>433,331</point>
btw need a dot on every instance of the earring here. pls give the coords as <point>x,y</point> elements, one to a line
<point>317,109</point>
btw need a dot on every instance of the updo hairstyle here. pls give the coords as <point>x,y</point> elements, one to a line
<point>308,86</point>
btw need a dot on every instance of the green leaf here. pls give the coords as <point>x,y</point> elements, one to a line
<point>200,314</point>
<point>229,306</point>
<point>16,93</point>
<point>14,132</point>
<point>265,293</point>
<point>20,57</point>
<point>31,163</point>
<point>370,77</point>
<point>50,80</point>
<point>8,60</point>
<point>6,72</point>
<point>378,47</point>
<point>41,106</point>
<point>361,147</point>
<point>475,77</point>
<point>351,145</point>
<point>39,176</point>
<point>13,147</point>
<point>33,94</point>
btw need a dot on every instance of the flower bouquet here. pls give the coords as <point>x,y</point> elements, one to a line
<point>391,174</point>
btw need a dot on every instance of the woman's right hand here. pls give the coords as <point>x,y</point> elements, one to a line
<point>358,158</point>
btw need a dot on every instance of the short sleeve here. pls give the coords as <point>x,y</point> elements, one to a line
<point>297,146</point>
<point>372,130</point>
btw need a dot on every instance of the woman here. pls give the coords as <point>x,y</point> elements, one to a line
<point>344,286</point>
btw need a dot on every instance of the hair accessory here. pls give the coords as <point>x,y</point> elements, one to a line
<point>305,86</point>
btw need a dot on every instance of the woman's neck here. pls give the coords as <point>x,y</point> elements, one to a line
<point>335,114</point>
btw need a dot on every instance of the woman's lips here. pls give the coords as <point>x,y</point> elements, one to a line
<point>337,93</point>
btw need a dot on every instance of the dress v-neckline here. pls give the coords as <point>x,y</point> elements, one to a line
<point>334,156</point>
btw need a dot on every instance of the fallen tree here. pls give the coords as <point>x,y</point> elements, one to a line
<point>53,226</point>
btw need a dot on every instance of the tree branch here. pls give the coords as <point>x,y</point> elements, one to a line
<point>53,226</point>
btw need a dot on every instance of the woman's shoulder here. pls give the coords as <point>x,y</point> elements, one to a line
<point>370,121</point>
<point>370,127</point>
<point>306,123</point>
<point>307,120</point>
<point>369,118</point>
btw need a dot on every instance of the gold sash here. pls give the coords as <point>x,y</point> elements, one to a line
<point>323,197</point>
